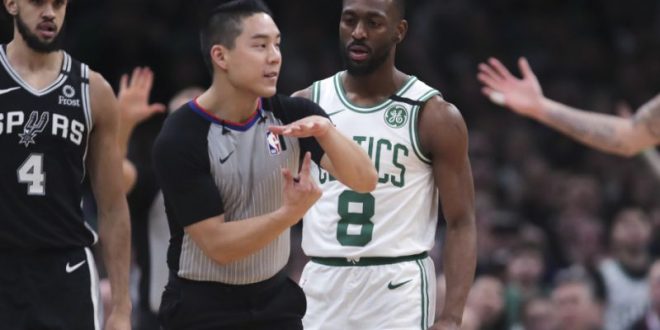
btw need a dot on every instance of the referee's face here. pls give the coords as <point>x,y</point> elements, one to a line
<point>253,65</point>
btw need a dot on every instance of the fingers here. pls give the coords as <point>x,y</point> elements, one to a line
<point>288,178</point>
<point>277,129</point>
<point>500,68</point>
<point>494,96</point>
<point>287,130</point>
<point>157,107</point>
<point>123,82</point>
<point>525,69</point>
<point>137,71</point>
<point>312,127</point>
<point>298,129</point>
<point>291,130</point>
<point>489,71</point>
<point>147,79</point>
<point>142,78</point>
<point>306,169</point>
<point>489,81</point>
<point>486,91</point>
<point>294,129</point>
<point>306,182</point>
<point>497,98</point>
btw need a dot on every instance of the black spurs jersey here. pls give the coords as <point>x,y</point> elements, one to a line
<point>43,140</point>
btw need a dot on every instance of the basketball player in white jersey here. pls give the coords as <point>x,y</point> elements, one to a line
<point>369,267</point>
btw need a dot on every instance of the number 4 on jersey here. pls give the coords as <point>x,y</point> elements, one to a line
<point>32,173</point>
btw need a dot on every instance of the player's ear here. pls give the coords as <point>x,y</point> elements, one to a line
<point>401,30</point>
<point>219,56</point>
<point>11,7</point>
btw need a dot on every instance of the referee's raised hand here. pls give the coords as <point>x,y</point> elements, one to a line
<point>301,192</point>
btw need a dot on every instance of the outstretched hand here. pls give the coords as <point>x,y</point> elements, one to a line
<point>133,97</point>
<point>523,96</point>
<point>315,126</point>
<point>301,192</point>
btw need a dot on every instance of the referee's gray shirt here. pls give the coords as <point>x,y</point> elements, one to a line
<point>207,166</point>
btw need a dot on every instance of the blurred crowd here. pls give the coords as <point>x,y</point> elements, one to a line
<point>567,236</point>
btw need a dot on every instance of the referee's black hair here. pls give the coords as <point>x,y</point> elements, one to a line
<point>224,24</point>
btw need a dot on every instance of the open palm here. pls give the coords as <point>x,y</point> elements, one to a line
<point>523,96</point>
<point>134,97</point>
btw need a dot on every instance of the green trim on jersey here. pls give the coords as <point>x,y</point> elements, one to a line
<point>316,92</point>
<point>368,261</point>
<point>424,296</point>
<point>414,129</point>
<point>350,106</point>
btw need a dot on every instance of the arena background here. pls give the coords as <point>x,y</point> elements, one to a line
<point>534,187</point>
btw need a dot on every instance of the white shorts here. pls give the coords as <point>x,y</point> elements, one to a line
<point>364,296</point>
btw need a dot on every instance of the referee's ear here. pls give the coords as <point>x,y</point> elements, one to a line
<point>219,55</point>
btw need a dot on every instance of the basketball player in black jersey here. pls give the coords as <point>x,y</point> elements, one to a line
<point>58,124</point>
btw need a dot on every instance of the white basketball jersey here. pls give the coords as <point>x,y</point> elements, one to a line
<point>399,217</point>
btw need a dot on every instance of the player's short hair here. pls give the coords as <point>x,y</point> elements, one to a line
<point>401,7</point>
<point>224,24</point>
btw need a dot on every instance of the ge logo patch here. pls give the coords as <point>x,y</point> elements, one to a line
<point>68,91</point>
<point>396,116</point>
<point>274,145</point>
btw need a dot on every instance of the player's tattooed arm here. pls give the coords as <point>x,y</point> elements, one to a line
<point>622,136</point>
<point>608,133</point>
<point>648,118</point>
<point>580,126</point>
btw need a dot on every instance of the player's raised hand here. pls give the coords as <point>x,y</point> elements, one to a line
<point>316,126</point>
<point>133,96</point>
<point>300,193</point>
<point>523,96</point>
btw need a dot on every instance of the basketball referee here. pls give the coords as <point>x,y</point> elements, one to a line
<point>224,162</point>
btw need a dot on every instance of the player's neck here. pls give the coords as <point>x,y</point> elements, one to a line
<point>24,58</point>
<point>374,87</point>
<point>228,103</point>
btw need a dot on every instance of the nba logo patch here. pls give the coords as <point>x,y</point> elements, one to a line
<point>274,145</point>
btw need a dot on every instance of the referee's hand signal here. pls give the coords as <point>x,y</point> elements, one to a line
<point>301,192</point>
<point>315,126</point>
